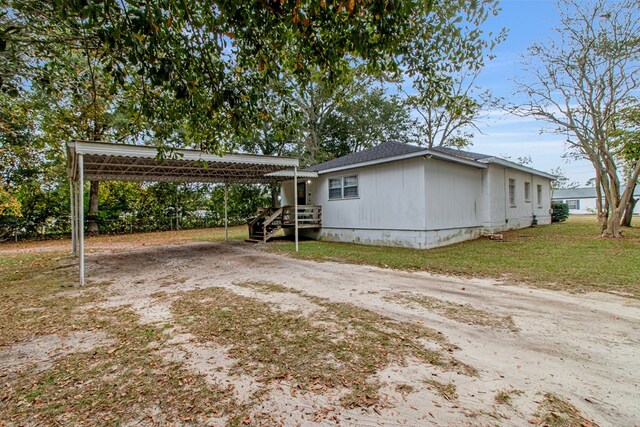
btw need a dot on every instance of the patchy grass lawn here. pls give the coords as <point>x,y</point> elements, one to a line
<point>339,346</point>
<point>124,381</point>
<point>569,256</point>
<point>464,313</point>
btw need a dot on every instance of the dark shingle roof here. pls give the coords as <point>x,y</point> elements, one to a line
<point>382,151</point>
<point>469,155</point>
<point>390,149</point>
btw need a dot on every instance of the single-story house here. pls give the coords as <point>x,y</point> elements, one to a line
<point>397,194</point>
<point>582,201</point>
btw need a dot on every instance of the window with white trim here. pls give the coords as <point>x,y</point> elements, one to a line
<point>335,188</point>
<point>539,195</point>
<point>512,192</point>
<point>573,204</point>
<point>344,187</point>
<point>527,191</point>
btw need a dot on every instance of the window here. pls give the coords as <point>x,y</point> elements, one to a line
<point>573,204</point>
<point>344,187</point>
<point>539,195</point>
<point>527,192</point>
<point>512,192</point>
<point>350,186</point>
<point>335,188</point>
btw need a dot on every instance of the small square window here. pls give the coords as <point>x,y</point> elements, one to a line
<point>573,204</point>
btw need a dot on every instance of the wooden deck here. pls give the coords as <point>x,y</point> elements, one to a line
<point>270,220</point>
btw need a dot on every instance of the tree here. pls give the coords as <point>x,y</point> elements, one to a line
<point>365,120</point>
<point>209,66</point>
<point>627,139</point>
<point>580,82</point>
<point>443,73</point>
<point>562,181</point>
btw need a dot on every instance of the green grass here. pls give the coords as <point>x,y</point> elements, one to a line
<point>569,256</point>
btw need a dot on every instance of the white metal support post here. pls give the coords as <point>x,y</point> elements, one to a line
<point>81,215</point>
<point>295,203</point>
<point>226,220</point>
<point>72,215</point>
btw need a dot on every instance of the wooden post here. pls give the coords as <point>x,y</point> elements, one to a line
<point>226,220</point>
<point>295,203</point>
<point>81,212</point>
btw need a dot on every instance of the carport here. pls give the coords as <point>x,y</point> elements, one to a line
<point>102,161</point>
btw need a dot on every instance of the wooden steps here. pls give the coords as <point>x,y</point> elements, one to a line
<point>271,220</point>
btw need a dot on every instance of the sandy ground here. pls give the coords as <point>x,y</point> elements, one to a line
<point>584,348</point>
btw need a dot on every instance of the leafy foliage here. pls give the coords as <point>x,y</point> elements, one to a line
<point>560,211</point>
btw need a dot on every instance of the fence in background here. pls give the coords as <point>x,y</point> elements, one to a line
<point>59,227</point>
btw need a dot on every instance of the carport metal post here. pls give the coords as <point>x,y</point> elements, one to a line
<point>295,202</point>
<point>226,219</point>
<point>72,215</point>
<point>81,214</point>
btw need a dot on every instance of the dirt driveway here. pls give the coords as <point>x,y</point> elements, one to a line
<point>525,347</point>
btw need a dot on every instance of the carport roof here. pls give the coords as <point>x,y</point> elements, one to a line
<point>121,162</point>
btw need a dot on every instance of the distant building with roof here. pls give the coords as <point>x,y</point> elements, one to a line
<point>403,195</point>
<point>582,201</point>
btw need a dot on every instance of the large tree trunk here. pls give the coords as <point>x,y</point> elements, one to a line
<point>613,225</point>
<point>93,208</point>
<point>628,212</point>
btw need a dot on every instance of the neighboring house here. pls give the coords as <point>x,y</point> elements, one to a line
<point>402,195</point>
<point>582,201</point>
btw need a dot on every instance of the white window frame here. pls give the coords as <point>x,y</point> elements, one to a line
<point>576,206</point>
<point>342,187</point>
<point>539,194</point>
<point>511,191</point>
<point>527,191</point>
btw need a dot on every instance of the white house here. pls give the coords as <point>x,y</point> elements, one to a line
<point>401,195</point>
<point>582,201</point>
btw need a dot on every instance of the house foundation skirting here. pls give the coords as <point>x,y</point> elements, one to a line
<point>515,223</point>
<point>418,239</point>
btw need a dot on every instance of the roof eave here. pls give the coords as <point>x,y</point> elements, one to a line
<point>422,153</point>
<point>512,165</point>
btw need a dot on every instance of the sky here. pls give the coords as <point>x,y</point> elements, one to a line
<point>528,21</point>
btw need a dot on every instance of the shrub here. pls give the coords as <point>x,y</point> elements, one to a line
<point>560,211</point>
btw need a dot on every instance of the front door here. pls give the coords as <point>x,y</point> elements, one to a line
<point>302,193</point>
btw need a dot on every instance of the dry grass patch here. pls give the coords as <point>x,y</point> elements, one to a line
<point>37,297</point>
<point>503,397</point>
<point>267,287</point>
<point>446,390</point>
<point>122,383</point>
<point>338,346</point>
<point>464,313</point>
<point>556,412</point>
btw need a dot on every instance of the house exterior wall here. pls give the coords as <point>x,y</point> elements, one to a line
<point>500,214</point>
<point>389,208</point>
<point>423,203</point>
